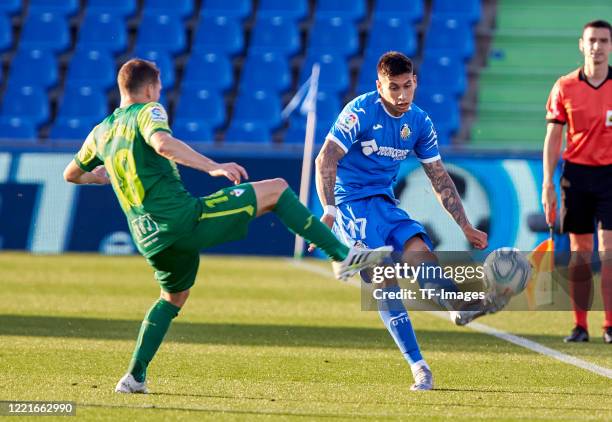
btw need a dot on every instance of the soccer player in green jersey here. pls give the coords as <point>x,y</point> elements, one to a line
<point>133,149</point>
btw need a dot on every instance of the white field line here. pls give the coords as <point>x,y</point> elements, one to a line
<point>482,328</point>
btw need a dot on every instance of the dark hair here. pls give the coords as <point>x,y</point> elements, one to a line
<point>598,24</point>
<point>136,73</point>
<point>394,63</point>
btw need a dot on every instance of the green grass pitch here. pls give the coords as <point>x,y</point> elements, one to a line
<point>260,339</point>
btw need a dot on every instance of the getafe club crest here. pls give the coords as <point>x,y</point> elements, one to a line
<point>405,132</point>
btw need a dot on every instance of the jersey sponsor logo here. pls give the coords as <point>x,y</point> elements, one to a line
<point>405,131</point>
<point>394,153</point>
<point>609,118</point>
<point>347,121</point>
<point>144,228</point>
<point>370,147</point>
<point>377,126</point>
<point>158,114</point>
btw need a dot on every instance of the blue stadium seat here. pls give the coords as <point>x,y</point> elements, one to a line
<point>391,34</point>
<point>297,132</point>
<point>295,10</point>
<point>200,106</point>
<point>240,131</point>
<point>91,68</point>
<point>410,11</point>
<point>266,72</point>
<point>220,35</point>
<point>123,8</point>
<point>10,7</point>
<point>335,36</point>
<point>28,102</point>
<point>103,31</point>
<point>466,10</point>
<point>164,63</point>
<point>353,10</point>
<point>17,128</point>
<point>66,128</point>
<point>161,33</point>
<point>6,33</point>
<point>366,80</point>
<point>443,110</point>
<point>208,71</point>
<point>257,107</point>
<point>444,73</point>
<point>84,102</point>
<point>231,9</point>
<point>192,130</point>
<point>334,75</point>
<point>59,7</point>
<point>275,35</point>
<point>451,37</point>
<point>181,8</point>
<point>34,67</point>
<point>45,31</point>
<point>328,108</point>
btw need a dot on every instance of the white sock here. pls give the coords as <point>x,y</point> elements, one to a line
<point>418,365</point>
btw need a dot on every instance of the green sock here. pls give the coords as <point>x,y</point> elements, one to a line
<point>152,332</point>
<point>300,220</point>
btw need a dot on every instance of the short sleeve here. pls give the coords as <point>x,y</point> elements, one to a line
<point>86,158</point>
<point>152,118</point>
<point>555,110</point>
<point>348,126</point>
<point>426,146</point>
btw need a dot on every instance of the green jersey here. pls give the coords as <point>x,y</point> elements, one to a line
<point>158,208</point>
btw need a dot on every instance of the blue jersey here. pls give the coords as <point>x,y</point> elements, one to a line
<point>375,143</point>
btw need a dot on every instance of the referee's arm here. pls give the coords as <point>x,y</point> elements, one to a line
<point>550,157</point>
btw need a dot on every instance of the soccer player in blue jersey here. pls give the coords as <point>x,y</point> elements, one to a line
<point>356,169</point>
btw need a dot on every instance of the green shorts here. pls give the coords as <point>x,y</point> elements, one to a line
<point>225,217</point>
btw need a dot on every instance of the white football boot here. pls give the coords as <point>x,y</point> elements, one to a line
<point>359,259</point>
<point>129,385</point>
<point>491,304</point>
<point>423,379</point>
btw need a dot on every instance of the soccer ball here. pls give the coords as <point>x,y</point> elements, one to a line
<point>507,271</point>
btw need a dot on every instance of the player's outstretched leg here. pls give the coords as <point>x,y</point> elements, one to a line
<point>152,332</point>
<point>417,254</point>
<point>396,320</point>
<point>275,195</point>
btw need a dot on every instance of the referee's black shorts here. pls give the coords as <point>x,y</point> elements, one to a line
<point>586,198</point>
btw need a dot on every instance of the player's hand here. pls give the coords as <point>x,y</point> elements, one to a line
<point>328,220</point>
<point>549,201</point>
<point>100,176</point>
<point>477,238</point>
<point>232,171</point>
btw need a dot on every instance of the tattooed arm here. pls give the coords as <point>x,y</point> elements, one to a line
<point>326,167</point>
<point>448,196</point>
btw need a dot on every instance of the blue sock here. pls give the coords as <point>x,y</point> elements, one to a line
<point>394,315</point>
<point>431,276</point>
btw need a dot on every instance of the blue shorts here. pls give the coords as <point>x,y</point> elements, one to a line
<point>376,221</point>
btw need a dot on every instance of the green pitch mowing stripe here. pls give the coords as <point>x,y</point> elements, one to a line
<point>262,340</point>
<point>511,338</point>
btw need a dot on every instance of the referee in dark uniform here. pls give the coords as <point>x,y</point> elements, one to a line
<point>582,99</point>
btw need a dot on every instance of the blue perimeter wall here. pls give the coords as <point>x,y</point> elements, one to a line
<point>41,213</point>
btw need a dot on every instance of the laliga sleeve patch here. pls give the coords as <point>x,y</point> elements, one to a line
<point>158,114</point>
<point>347,121</point>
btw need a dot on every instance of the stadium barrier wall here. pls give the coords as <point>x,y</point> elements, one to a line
<point>41,213</point>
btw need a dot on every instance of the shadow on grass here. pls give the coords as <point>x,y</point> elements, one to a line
<point>249,334</point>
